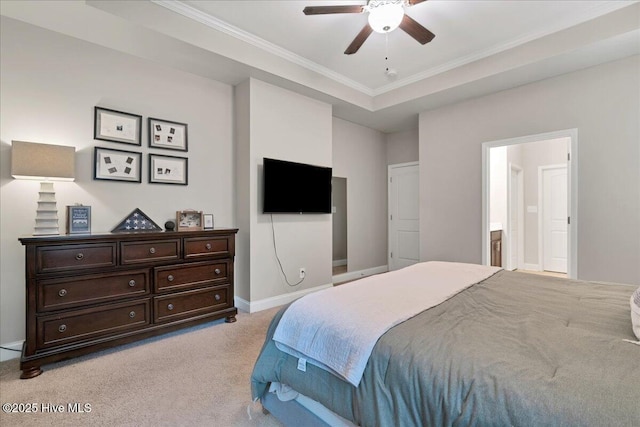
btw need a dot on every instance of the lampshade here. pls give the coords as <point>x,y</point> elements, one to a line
<point>30,160</point>
<point>43,162</point>
<point>385,16</point>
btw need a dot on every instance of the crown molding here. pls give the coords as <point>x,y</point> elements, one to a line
<point>594,12</point>
<point>245,36</point>
<point>183,9</point>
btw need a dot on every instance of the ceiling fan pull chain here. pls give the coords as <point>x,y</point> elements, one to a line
<point>386,52</point>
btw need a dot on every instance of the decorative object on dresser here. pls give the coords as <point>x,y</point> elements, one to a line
<point>168,170</point>
<point>208,221</point>
<point>170,226</point>
<point>78,219</point>
<point>91,292</point>
<point>117,126</point>
<point>189,220</point>
<point>116,165</point>
<point>168,135</point>
<point>136,221</point>
<point>45,163</point>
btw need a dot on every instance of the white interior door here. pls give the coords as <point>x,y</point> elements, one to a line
<point>554,219</point>
<point>404,215</point>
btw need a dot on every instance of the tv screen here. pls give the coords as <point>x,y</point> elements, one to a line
<point>296,187</point>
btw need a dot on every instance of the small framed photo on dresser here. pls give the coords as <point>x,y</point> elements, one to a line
<point>78,219</point>
<point>208,221</point>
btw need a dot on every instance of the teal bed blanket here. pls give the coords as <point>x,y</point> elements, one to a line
<point>513,350</point>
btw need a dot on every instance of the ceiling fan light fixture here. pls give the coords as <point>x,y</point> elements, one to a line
<point>385,16</point>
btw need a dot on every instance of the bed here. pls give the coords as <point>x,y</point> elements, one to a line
<point>512,349</point>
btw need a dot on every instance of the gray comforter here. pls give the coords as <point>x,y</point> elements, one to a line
<point>515,349</point>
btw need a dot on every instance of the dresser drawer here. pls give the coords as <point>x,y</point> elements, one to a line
<point>181,277</point>
<point>156,250</point>
<point>56,294</point>
<point>73,257</point>
<point>201,247</point>
<point>190,303</point>
<point>92,323</point>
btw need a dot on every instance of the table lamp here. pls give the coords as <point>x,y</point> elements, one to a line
<point>46,163</point>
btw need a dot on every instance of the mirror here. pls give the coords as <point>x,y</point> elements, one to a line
<point>339,219</point>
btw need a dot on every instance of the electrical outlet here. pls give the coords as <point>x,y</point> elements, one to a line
<point>303,272</point>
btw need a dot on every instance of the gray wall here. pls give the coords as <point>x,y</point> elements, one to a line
<point>602,103</point>
<point>402,147</point>
<point>49,87</point>
<point>277,123</point>
<point>360,155</point>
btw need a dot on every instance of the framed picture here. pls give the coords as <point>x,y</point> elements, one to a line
<point>208,221</point>
<point>169,135</point>
<point>117,165</point>
<point>78,219</point>
<point>117,126</point>
<point>189,220</point>
<point>168,170</point>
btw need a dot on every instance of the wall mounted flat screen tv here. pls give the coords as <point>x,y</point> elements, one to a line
<point>296,187</point>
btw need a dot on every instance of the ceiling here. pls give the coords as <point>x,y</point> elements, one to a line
<point>480,46</point>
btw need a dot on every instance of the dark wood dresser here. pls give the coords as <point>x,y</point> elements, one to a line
<point>90,292</point>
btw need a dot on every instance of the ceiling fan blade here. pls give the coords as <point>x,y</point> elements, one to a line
<point>359,40</point>
<point>323,10</point>
<point>414,2</point>
<point>415,30</point>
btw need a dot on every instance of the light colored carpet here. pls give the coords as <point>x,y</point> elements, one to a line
<point>195,377</point>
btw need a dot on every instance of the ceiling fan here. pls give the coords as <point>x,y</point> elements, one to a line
<point>384,16</point>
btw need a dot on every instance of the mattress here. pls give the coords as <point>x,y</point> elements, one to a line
<point>514,349</point>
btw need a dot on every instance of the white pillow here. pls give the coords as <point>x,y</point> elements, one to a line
<point>635,312</point>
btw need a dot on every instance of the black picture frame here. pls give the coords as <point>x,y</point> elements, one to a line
<point>78,219</point>
<point>168,135</point>
<point>117,126</point>
<point>168,170</point>
<point>110,164</point>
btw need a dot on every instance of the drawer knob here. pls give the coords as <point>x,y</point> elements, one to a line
<point>79,256</point>
<point>208,246</point>
<point>132,283</point>
<point>62,292</point>
<point>152,250</point>
<point>217,297</point>
<point>170,278</point>
<point>132,314</point>
<point>217,271</point>
<point>62,328</point>
<point>170,307</point>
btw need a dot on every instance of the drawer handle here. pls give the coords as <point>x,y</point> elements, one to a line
<point>217,271</point>
<point>79,256</point>
<point>152,250</point>
<point>170,307</point>
<point>132,314</point>
<point>208,246</point>
<point>62,328</point>
<point>132,283</point>
<point>62,292</point>
<point>217,297</point>
<point>170,278</point>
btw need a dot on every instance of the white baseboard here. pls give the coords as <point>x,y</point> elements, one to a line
<point>339,262</point>
<point>531,267</point>
<point>8,354</point>
<point>353,275</point>
<point>264,304</point>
